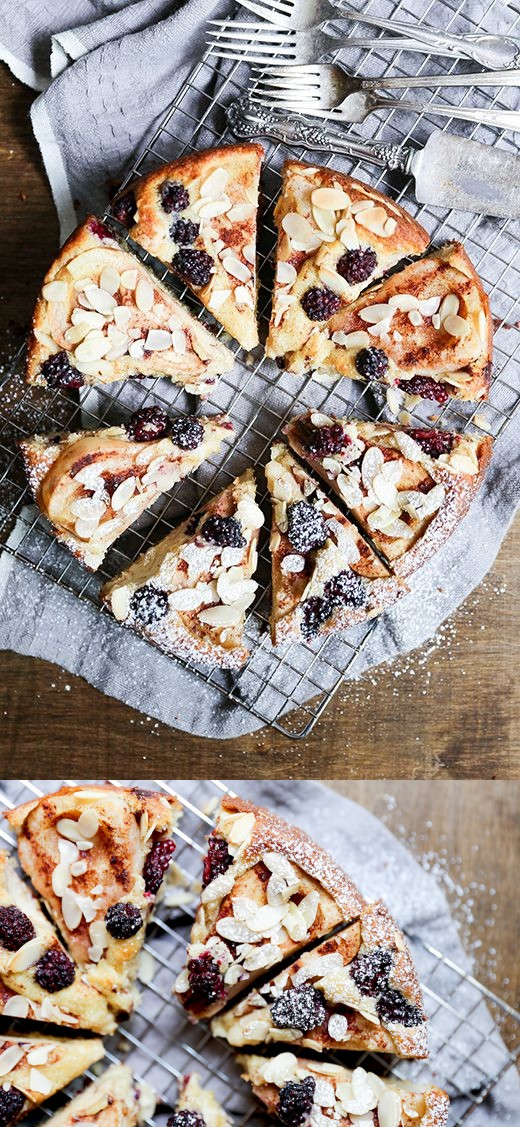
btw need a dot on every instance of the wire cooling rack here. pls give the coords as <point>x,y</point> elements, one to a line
<point>468,1056</point>
<point>287,688</point>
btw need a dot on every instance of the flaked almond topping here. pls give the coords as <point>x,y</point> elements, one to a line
<point>374,219</point>
<point>372,314</point>
<point>120,496</point>
<point>283,302</point>
<point>348,234</point>
<point>249,253</point>
<point>389,1109</point>
<point>136,350</point>
<point>300,232</point>
<point>404,302</point>
<point>39,1055</point>
<point>436,320</point>
<point>129,279</point>
<point>415,318</point>
<point>158,340</point>
<point>456,326</point>
<point>78,868</point>
<point>241,828</point>
<point>243,296</point>
<point>39,1083</point>
<point>144,295</point>
<point>286,274</point>
<point>362,205</point>
<point>232,265</point>
<point>218,298</point>
<point>10,1058</point>
<point>213,186</point>
<point>324,220</point>
<point>390,226</point>
<point>220,616</point>
<point>27,955</point>
<point>429,305</point>
<point>120,603</point>
<point>211,208</point>
<point>100,300</point>
<point>330,199</point>
<point>449,304</point>
<point>16,1007</point>
<point>60,878</point>
<point>55,291</point>
<point>241,211</point>
<point>179,344</point>
<point>75,334</point>
<point>249,513</point>
<point>87,317</point>
<point>351,340</point>
<point>92,348</point>
<point>110,280</point>
<point>334,281</point>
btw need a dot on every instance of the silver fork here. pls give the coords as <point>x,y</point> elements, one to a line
<point>327,91</point>
<point>495,51</point>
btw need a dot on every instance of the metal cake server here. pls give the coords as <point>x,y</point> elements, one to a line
<point>449,171</point>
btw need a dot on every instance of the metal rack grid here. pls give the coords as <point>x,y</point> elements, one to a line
<point>287,688</point>
<point>468,1056</point>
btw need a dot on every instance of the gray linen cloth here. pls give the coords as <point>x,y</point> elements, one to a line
<point>116,67</point>
<point>466,1050</point>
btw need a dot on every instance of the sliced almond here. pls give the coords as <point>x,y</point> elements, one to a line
<point>144,295</point>
<point>220,616</point>
<point>211,208</point>
<point>404,302</point>
<point>373,219</point>
<point>334,281</point>
<point>351,340</point>
<point>120,496</point>
<point>129,279</point>
<point>158,340</point>
<point>100,300</point>
<point>55,291</point>
<point>88,317</point>
<point>324,220</point>
<point>92,349</point>
<point>27,956</point>
<point>243,296</point>
<point>249,253</point>
<point>218,298</point>
<point>75,334</point>
<point>415,318</point>
<point>372,314</point>
<point>213,186</point>
<point>330,199</point>
<point>110,280</point>
<point>286,274</point>
<point>361,205</point>
<point>450,304</point>
<point>241,211</point>
<point>233,265</point>
<point>456,326</point>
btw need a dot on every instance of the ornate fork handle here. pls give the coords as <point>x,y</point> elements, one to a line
<point>467,45</point>
<point>247,119</point>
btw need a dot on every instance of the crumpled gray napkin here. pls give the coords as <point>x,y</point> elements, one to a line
<point>129,62</point>
<point>463,1055</point>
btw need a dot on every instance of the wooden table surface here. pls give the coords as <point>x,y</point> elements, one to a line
<point>450,710</point>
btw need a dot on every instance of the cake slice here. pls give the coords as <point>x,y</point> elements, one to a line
<point>297,1091</point>
<point>103,317</point>
<point>407,487</point>
<point>116,1099</point>
<point>38,979</point>
<point>93,484</point>
<point>336,236</point>
<point>198,1106</point>
<point>34,1067</point>
<point>189,593</point>
<point>325,576</point>
<point>357,991</point>
<point>268,890</point>
<point>426,330</point>
<point>198,216</point>
<point>97,855</point>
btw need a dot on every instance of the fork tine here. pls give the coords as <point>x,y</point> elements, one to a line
<point>235,43</point>
<point>295,74</point>
<point>271,38</point>
<point>232,51</point>
<point>269,83</point>
<point>250,30</point>
<point>276,15</point>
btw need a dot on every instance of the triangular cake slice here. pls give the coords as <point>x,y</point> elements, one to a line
<point>115,1099</point>
<point>30,954</point>
<point>408,487</point>
<point>426,330</point>
<point>93,484</point>
<point>34,1067</point>
<point>97,855</point>
<point>336,236</point>
<point>200,1102</point>
<point>357,991</point>
<point>267,888</point>
<point>198,216</point>
<point>103,317</point>
<point>325,576</point>
<point>189,593</point>
<point>297,1091</point>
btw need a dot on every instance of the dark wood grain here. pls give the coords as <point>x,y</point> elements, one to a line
<point>453,713</point>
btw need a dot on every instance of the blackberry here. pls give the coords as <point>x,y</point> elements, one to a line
<point>427,388</point>
<point>156,865</point>
<point>15,928</point>
<point>370,972</point>
<point>55,971</point>
<point>346,589</point>
<point>306,528</point>
<point>174,196</point>
<point>301,1008</point>
<point>148,605</point>
<point>205,979</point>
<point>433,442</point>
<point>147,424</point>
<point>224,531</point>
<point>187,432</point>
<point>296,1100</point>
<point>193,266</point>
<point>357,265</point>
<point>315,612</point>
<point>393,1007</point>
<point>100,229</point>
<point>217,859</point>
<point>184,232</point>
<point>57,371</point>
<point>186,1118</point>
<point>322,442</point>
<point>123,920</point>
<point>320,303</point>
<point>11,1104</point>
<point>124,208</point>
<point>372,363</point>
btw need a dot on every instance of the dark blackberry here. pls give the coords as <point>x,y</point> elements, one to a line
<point>100,229</point>
<point>55,971</point>
<point>370,972</point>
<point>224,531</point>
<point>124,209</point>
<point>184,232</point>
<point>433,442</point>
<point>306,528</point>
<point>156,864</point>
<point>217,859</point>
<point>148,605</point>
<point>15,928</point>
<point>346,589</point>
<point>193,266</point>
<point>372,363</point>
<point>296,1100</point>
<point>301,1008</point>
<point>357,265</point>
<point>186,1118</point>
<point>427,388</point>
<point>315,612</point>
<point>393,1007</point>
<point>205,980</point>
<point>147,424</point>
<point>320,303</point>
<point>57,371</point>
<point>123,920</point>
<point>174,196</point>
<point>187,432</point>
<point>322,442</point>
<point>11,1105</point>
